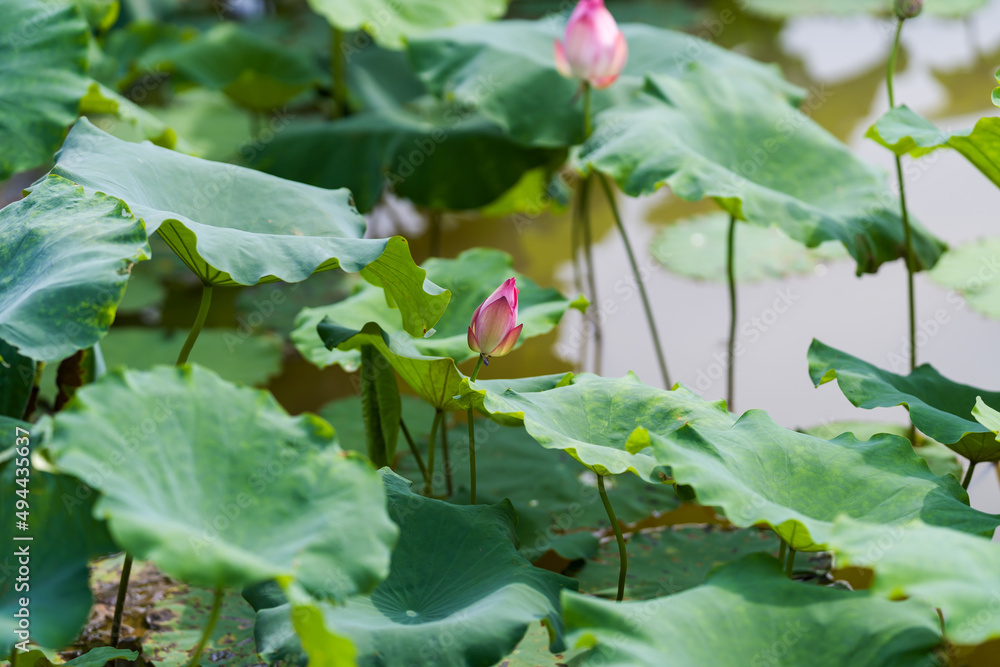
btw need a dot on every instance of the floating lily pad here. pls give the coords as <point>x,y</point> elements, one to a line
<point>973,270</point>
<point>533,651</point>
<point>781,9</point>
<point>760,159</point>
<point>670,561</point>
<point>436,154</point>
<point>760,474</point>
<point>939,407</point>
<point>905,132</point>
<point>506,70</point>
<point>765,617</point>
<point>65,258</point>
<point>224,493</point>
<point>696,248</point>
<point>470,278</point>
<point>43,58</point>
<point>101,655</point>
<point>603,423</point>
<point>233,225</point>
<point>392,24</point>
<point>59,512</point>
<point>458,593</point>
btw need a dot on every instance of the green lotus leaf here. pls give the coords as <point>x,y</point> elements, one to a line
<point>102,655</point>
<point>130,121</point>
<point>666,562</point>
<point>436,154</point>
<point>955,573</point>
<point>938,407</point>
<point>233,225</point>
<point>224,492</point>
<point>253,70</point>
<point>393,24</point>
<point>506,70</point>
<point>470,278</point>
<point>973,272</point>
<point>905,132</point>
<point>765,615</point>
<point>940,459</point>
<point>696,248</point>
<point>781,9</point>
<point>65,258</point>
<point>16,381</point>
<point>760,474</point>
<point>211,125</point>
<point>59,512</point>
<point>380,78</point>
<point>763,161</point>
<point>458,594</point>
<point>43,57</point>
<point>604,423</point>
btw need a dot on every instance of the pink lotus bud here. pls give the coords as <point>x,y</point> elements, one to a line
<point>492,332</point>
<point>594,49</point>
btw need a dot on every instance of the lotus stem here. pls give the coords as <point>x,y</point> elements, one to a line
<point>968,475</point>
<point>116,621</point>
<point>731,276</point>
<point>338,78</point>
<point>212,619</point>
<point>622,553</point>
<point>199,322</point>
<point>790,563</point>
<point>429,477</point>
<point>472,438</point>
<point>413,448</point>
<point>782,550</point>
<point>661,359</point>
<point>584,209</point>
<point>446,455</point>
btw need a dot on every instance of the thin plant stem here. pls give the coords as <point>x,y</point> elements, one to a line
<point>199,322</point>
<point>968,475</point>
<point>907,240</point>
<point>622,553</point>
<point>116,621</point>
<point>790,563</point>
<point>413,448</point>
<point>661,359</point>
<point>731,276</point>
<point>434,232</point>
<point>588,119</point>
<point>584,203</point>
<point>472,438</point>
<point>337,73</point>
<point>429,477</point>
<point>212,619</point>
<point>782,550</point>
<point>447,457</point>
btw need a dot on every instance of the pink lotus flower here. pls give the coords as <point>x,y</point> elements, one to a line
<point>595,49</point>
<point>492,332</point>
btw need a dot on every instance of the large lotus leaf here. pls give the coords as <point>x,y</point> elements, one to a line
<point>670,561</point>
<point>212,126</point>
<point>938,407</point>
<point>973,271</point>
<point>393,24</point>
<point>763,161</point>
<point>604,423</point>
<point>58,513</point>
<point>123,118</point>
<point>43,57</point>
<point>781,9</point>
<point>557,502</point>
<point>749,613</point>
<point>380,78</point>
<point>471,278</point>
<point>958,574</point>
<point>254,71</point>
<point>233,225</point>
<point>760,474</point>
<point>218,486</point>
<point>435,379</point>
<point>65,257</point>
<point>436,154</point>
<point>506,70</point>
<point>458,594</point>
<point>906,132</point>
<point>696,248</point>
<point>16,381</point>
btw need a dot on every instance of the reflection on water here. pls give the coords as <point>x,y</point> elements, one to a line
<point>842,63</point>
